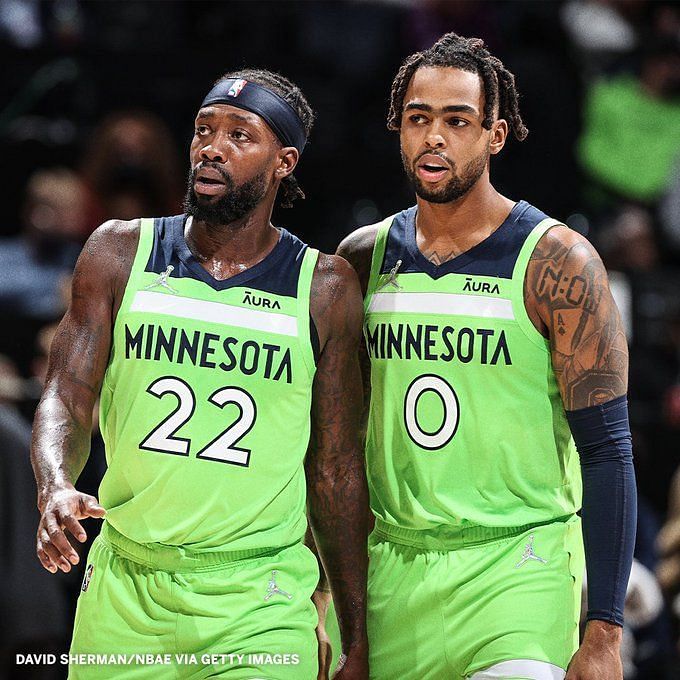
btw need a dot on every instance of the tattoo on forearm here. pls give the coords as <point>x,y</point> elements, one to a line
<point>589,352</point>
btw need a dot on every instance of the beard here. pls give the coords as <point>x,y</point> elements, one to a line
<point>236,201</point>
<point>457,186</point>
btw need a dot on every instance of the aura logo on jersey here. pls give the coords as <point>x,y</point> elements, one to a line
<point>154,342</point>
<point>480,286</point>
<point>429,342</point>
<point>260,301</point>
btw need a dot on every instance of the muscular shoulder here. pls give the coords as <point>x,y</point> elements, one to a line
<point>564,270</point>
<point>357,249</point>
<point>106,259</point>
<point>561,241</point>
<point>114,239</point>
<point>335,298</point>
<point>332,272</point>
<point>334,280</point>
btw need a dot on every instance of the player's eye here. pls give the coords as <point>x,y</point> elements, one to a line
<point>202,129</point>
<point>458,122</point>
<point>240,135</point>
<point>417,118</point>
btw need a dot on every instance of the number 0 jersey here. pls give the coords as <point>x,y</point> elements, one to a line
<point>206,399</point>
<point>466,424</point>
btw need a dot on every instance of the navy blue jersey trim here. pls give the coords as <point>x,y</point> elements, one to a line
<point>314,338</point>
<point>496,255</point>
<point>277,273</point>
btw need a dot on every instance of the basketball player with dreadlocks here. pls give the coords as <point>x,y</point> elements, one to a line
<point>498,378</point>
<point>225,352</point>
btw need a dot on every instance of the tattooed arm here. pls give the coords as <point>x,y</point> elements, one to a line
<point>63,421</point>
<point>568,298</point>
<point>336,479</point>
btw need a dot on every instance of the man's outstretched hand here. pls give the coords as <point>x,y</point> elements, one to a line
<point>61,511</point>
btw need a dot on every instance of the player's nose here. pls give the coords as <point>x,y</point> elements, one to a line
<point>213,152</point>
<point>434,139</point>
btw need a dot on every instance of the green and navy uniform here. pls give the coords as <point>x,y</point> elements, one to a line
<point>205,415</point>
<point>476,558</point>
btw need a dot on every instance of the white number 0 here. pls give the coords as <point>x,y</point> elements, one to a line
<point>223,448</point>
<point>443,435</point>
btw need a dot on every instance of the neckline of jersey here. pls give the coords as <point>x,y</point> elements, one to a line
<point>194,266</point>
<point>464,259</point>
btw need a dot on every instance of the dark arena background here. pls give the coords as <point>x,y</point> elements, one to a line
<point>97,101</point>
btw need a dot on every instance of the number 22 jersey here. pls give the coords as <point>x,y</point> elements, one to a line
<point>466,424</point>
<point>205,405</point>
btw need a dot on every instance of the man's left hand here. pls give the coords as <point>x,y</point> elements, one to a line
<point>599,656</point>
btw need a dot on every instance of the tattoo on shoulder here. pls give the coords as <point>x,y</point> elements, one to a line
<point>589,351</point>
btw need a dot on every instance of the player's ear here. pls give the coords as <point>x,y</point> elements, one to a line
<point>288,158</point>
<point>499,133</point>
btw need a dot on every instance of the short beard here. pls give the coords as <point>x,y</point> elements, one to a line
<point>456,187</point>
<point>235,203</point>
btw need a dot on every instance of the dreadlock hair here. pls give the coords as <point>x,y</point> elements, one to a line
<point>467,54</point>
<point>289,190</point>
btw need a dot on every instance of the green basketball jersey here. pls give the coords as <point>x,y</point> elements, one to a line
<point>466,423</point>
<point>205,405</point>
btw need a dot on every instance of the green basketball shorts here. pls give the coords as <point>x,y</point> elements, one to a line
<point>501,603</point>
<point>152,611</point>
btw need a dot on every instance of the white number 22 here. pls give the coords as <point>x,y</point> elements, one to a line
<point>223,447</point>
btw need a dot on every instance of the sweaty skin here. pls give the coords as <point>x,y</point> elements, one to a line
<point>244,146</point>
<point>579,317</point>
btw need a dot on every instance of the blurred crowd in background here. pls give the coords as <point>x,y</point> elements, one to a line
<point>97,101</point>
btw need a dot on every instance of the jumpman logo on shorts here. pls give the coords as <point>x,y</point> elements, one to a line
<point>273,589</point>
<point>529,554</point>
<point>391,278</point>
<point>162,280</point>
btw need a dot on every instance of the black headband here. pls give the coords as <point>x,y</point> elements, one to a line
<point>278,113</point>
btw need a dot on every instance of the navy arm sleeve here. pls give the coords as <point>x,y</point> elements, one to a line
<point>609,512</point>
